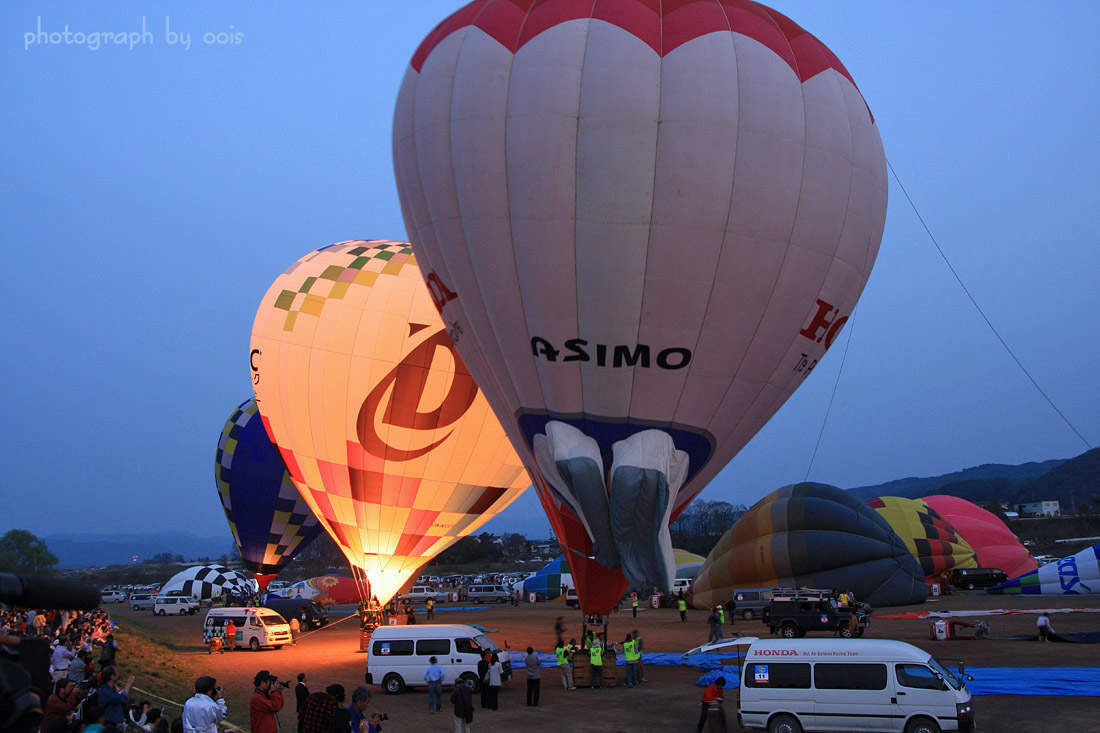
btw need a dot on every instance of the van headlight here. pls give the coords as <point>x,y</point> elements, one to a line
<point>962,709</point>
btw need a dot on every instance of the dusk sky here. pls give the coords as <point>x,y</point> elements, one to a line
<point>152,193</point>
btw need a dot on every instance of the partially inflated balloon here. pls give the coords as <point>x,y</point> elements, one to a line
<point>811,535</point>
<point>646,221</point>
<point>270,522</point>
<point>930,538</point>
<point>994,543</point>
<point>1071,576</point>
<point>384,431</point>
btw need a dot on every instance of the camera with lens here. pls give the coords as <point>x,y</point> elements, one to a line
<point>284,683</point>
<point>383,716</point>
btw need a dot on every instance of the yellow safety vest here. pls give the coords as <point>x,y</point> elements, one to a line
<point>681,605</point>
<point>563,656</point>
<point>628,651</point>
<point>595,654</point>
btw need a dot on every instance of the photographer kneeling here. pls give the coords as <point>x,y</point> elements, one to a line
<point>266,702</point>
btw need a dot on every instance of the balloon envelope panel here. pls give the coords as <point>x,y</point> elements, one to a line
<point>382,428</point>
<point>270,522</point>
<point>649,221</point>
<point>930,538</point>
<point>994,543</point>
<point>812,535</point>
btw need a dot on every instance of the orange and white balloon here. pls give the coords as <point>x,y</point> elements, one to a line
<point>379,422</point>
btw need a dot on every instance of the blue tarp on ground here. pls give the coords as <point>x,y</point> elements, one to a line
<point>1075,681</point>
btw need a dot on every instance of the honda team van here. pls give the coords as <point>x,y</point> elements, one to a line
<point>796,685</point>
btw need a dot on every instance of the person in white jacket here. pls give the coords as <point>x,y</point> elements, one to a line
<point>203,712</point>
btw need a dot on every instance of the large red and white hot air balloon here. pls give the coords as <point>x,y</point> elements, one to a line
<point>644,222</point>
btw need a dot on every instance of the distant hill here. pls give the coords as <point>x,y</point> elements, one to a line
<point>912,488</point>
<point>1070,482</point>
<point>98,550</point>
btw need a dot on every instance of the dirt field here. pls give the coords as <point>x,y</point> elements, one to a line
<point>669,702</point>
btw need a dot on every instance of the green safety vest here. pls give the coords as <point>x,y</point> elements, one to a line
<point>681,605</point>
<point>721,615</point>
<point>628,651</point>
<point>595,654</point>
<point>634,601</point>
<point>563,656</point>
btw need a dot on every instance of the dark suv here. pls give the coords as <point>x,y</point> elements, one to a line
<point>971,578</point>
<point>792,613</point>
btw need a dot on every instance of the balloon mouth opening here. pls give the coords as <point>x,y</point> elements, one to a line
<point>384,584</point>
<point>262,580</point>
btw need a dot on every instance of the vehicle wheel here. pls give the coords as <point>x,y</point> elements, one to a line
<point>788,631</point>
<point>970,586</point>
<point>845,631</point>
<point>747,614</point>
<point>784,724</point>
<point>254,644</point>
<point>922,725</point>
<point>134,607</point>
<point>470,680</point>
<point>393,684</point>
<point>161,612</point>
<point>183,611</point>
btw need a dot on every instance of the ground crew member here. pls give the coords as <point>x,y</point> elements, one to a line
<point>634,603</point>
<point>711,700</point>
<point>595,655</point>
<point>633,662</point>
<point>564,665</point>
<point>230,635</point>
<point>721,619</point>
<point>430,605</point>
<point>682,607</point>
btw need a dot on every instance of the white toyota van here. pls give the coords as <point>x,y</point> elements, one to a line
<point>256,627</point>
<point>398,655</point>
<point>794,685</point>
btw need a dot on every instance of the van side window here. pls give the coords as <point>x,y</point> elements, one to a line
<point>467,646</point>
<point>781,675</point>
<point>918,676</point>
<point>396,648</point>
<point>850,676</point>
<point>428,647</point>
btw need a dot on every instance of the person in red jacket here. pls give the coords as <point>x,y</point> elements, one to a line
<point>66,695</point>
<point>712,697</point>
<point>266,702</point>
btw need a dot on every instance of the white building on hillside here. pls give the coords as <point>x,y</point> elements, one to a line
<point>1044,508</point>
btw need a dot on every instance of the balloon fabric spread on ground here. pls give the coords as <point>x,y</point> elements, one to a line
<point>381,426</point>
<point>995,545</point>
<point>931,540</point>
<point>204,582</point>
<point>644,224</point>
<point>812,535</point>
<point>1074,575</point>
<point>270,522</point>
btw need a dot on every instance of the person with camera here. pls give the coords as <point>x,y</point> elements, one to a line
<point>266,702</point>
<point>203,712</point>
<point>66,696</point>
<point>354,717</point>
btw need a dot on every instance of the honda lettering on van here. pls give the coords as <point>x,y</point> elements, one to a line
<point>776,653</point>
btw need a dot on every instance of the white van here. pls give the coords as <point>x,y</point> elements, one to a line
<point>141,601</point>
<point>112,596</point>
<point>421,593</point>
<point>398,655</point>
<point>488,593</point>
<point>256,627</point>
<point>797,685</point>
<point>174,605</point>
